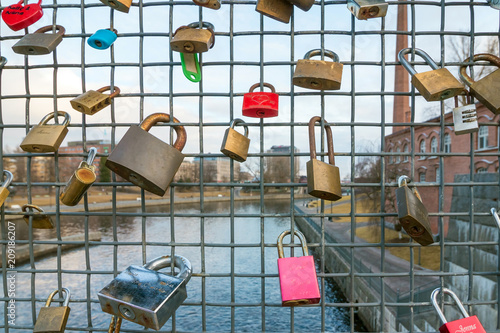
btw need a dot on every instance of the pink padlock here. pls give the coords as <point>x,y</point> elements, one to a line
<point>298,280</point>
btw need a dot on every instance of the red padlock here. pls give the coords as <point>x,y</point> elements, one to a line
<point>464,325</point>
<point>18,17</point>
<point>261,104</point>
<point>298,280</point>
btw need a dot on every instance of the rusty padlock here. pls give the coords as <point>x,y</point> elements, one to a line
<point>212,4</point>
<point>4,188</point>
<point>93,101</point>
<point>305,5</point>
<point>234,144</point>
<point>366,9</point>
<point>43,138</point>
<point>53,319</point>
<point>193,39</point>
<point>465,117</point>
<point>80,181</point>
<point>435,85</point>
<point>280,10</point>
<point>145,160</point>
<point>39,42</point>
<point>40,220</point>
<point>18,16</point>
<point>318,74</point>
<point>119,5</point>
<point>261,104</point>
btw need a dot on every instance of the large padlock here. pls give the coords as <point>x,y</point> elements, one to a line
<point>193,39</point>
<point>4,188</point>
<point>102,39</point>
<point>323,179</point>
<point>18,16</point>
<point>412,213</point>
<point>53,319</point>
<point>40,220</point>
<point>465,325</point>
<point>93,101</point>
<point>145,296</point>
<point>119,5</point>
<point>80,181</point>
<point>39,42</point>
<point>212,4</point>
<point>145,160</point>
<point>298,280</point>
<point>280,10</point>
<point>367,9</point>
<point>234,144</point>
<point>44,138</point>
<point>261,104</point>
<point>486,89</point>
<point>435,85</point>
<point>305,5</point>
<point>465,117</point>
<point>318,74</point>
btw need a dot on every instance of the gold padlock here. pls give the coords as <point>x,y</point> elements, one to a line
<point>80,181</point>
<point>53,319</point>
<point>212,4</point>
<point>43,138</point>
<point>40,221</point>
<point>323,179</point>
<point>280,10</point>
<point>119,5</point>
<point>435,85</point>
<point>234,144</point>
<point>305,5</point>
<point>193,39</point>
<point>486,89</point>
<point>39,42</point>
<point>318,74</point>
<point>4,189</point>
<point>366,9</point>
<point>93,101</point>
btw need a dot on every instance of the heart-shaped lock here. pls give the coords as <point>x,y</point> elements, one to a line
<point>18,17</point>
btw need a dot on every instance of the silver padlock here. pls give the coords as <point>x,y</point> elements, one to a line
<point>366,9</point>
<point>465,117</point>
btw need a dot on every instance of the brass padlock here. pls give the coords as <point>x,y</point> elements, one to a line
<point>53,319</point>
<point>43,138</point>
<point>80,181</point>
<point>412,213</point>
<point>234,144</point>
<point>145,160</point>
<point>212,4</point>
<point>305,5</point>
<point>4,188</point>
<point>318,74</point>
<point>119,5</point>
<point>435,85</point>
<point>40,220</point>
<point>323,179</point>
<point>93,101</point>
<point>193,39</point>
<point>366,9</point>
<point>280,10</point>
<point>486,89</point>
<point>38,42</point>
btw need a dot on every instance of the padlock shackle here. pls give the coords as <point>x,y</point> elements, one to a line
<point>8,178</point>
<point>114,326</point>
<point>196,25</point>
<point>455,298</point>
<point>237,121</point>
<point>66,299</point>
<point>404,179</point>
<point>326,52</point>
<point>468,98</point>
<point>165,261</point>
<point>26,206</point>
<point>404,62</point>
<point>495,216</point>
<point>3,61</point>
<point>51,115</point>
<point>154,118</point>
<point>265,84</point>
<point>281,253</point>
<point>477,57</point>
<point>329,140</point>
<point>60,29</point>
<point>91,156</point>
<point>116,91</point>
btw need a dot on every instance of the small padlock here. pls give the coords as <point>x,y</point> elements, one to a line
<point>212,4</point>
<point>234,144</point>
<point>486,89</point>
<point>102,39</point>
<point>464,325</point>
<point>261,104</point>
<point>193,39</point>
<point>93,101</point>
<point>280,10</point>
<point>43,138</point>
<point>412,213</point>
<point>119,5</point>
<point>298,280</point>
<point>53,319</point>
<point>4,188</point>
<point>145,160</point>
<point>305,5</point>
<point>80,181</point>
<point>435,85</point>
<point>40,220</point>
<point>367,9</point>
<point>18,16</point>
<point>318,74</point>
<point>145,296</point>
<point>465,117</point>
<point>39,42</point>
<point>323,179</point>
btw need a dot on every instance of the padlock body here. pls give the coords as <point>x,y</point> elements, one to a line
<point>298,281</point>
<point>91,102</point>
<point>102,39</point>
<point>367,9</point>
<point>323,180</point>
<point>235,145</point>
<point>145,160</point>
<point>37,43</point>
<point>143,296</point>
<point>78,184</point>
<point>318,74</point>
<point>280,10</point>
<point>212,4</point>
<point>305,5</point>
<point>52,319</point>
<point>18,17</point>
<point>465,325</point>
<point>437,85</point>
<point>40,221</point>
<point>191,40</point>
<point>4,193</point>
<point>44,138</point>
<point>413,216</point>
<point>119,5</point>
<point>486,91</point>
<point>465,119</point>
<point>260,104</point>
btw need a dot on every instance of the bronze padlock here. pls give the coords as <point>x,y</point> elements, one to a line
<point>44,138</point>
<point>53,319</point>
<point>435,85</point>
<point>280,10</point>
<point>323,179</point>
<point>93,101</point>
<point>212,4</point>
<point>366,9</point>
<point>119,5</point>
<point>38,42</point>
<point>318,74</point>
<point>234,144</point>
<point>80,181</point>
<point>412,213</point>
<point>305,5</point>
<point>4,188</point>
<point>193,39</point>
<point>40,220</point>
<point>486,89</point>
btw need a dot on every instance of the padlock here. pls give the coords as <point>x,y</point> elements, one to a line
<point>102,39</point>
<point>298,280</point>
<point>53,319</point>
<point>412,213</point>
<point>234,144</point>
<point>18,16</point>
<point>261,104</point>
<point>80,181</point>
<point>367,9</point>
<point>212,4</point>
<point>93,101</point>
<point>305,5</point>
<point>486,89</point>
<point>494,3</point>
<point>145,160</point>
<point>435,85</point>
<point>40,220</point>
<point>193,39</point>
<point>465,325</point>
<point>280,10</point>
<point>43,138</point>
<point>119,5</point>
<point>323,179</point>
<point>39,42</point>
<point>4,188</point>
<point>145,296</point>
<point>465,117</point>
<point>318,74</point>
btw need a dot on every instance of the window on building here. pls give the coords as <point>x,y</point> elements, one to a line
<point>398,157</point>
<point>447,143</point>
<point>482,170</point>
<point>421,177</point>
<point>405,150</point>
<point>438,175</point>
<point>482,137</point>
<point>422,148</point>
<point>434,145</point>
<point>390,156</point>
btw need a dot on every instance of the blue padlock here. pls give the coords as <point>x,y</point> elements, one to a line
<point>102,39</point>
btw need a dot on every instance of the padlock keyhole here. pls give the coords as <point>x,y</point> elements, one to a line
<point>98,43</point>
<point>446,94</point>
<point>113,4</point>
<point>126,312</point>
<point>31,50</point>
<point>314,84</point>
<point>373,11</point>
<point>188,47</point>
